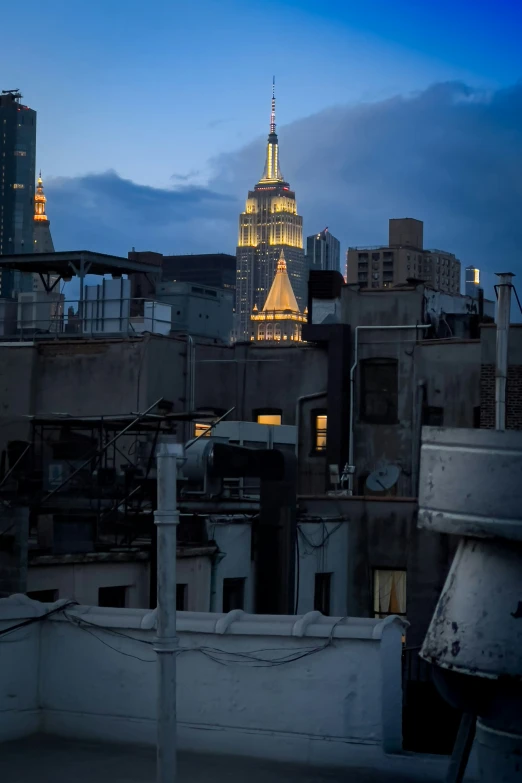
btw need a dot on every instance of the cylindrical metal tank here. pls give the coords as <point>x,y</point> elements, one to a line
<point>471,486</point>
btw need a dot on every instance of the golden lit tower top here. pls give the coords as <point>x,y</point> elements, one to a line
<point>272,171</point>
<point>39,200</point>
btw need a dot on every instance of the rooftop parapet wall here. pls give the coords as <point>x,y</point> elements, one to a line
<point>304,688</point>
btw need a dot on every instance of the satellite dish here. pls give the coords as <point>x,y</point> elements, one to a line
<point>383,478</point>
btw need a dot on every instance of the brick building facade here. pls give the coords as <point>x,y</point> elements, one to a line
<point>514,378</point>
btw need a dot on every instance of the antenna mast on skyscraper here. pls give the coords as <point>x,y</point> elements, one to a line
<point>272,113</point>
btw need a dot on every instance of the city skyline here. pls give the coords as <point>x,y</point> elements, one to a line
<point>351,114</point>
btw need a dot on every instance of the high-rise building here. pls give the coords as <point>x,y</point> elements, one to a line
<point>280,318</point>
<point>42,239</point>
<point>323,251</point>
<point>472,282</point>
<point>402,259</point>
<point>269,224</point>
<point>17,178</point>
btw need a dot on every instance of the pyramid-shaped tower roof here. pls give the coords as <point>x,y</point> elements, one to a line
<point>281,295</point>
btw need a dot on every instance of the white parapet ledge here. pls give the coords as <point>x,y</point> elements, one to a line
<point>235,623</point>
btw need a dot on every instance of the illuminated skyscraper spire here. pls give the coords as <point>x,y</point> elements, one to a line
<point>272,113</point>
<point>272,172</point>
<point>42,240</point>
<point>39,200</point>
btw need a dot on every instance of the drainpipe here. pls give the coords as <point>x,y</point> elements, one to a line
<point>190,384</point>
<point>351,450</point>
<point>420,393</point>
<point>503,312</point>
<point>300,400</point>
<point>166,518</point>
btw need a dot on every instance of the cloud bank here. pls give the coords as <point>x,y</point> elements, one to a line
<point>451,156</point>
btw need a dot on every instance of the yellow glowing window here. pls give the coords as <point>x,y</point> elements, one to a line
<point>201,429</point>
<point>269,418</point>
<point>320,432</point>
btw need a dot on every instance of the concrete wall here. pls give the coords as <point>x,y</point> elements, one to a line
<point>340,700</point>
<point>382,533</point>
<point>19,669</point>
<point>323,548</point>
<point>234,560</point>
<point>17,380</point>
<point>79,579</point>
<point>253,377</point>
<point>451,370</point>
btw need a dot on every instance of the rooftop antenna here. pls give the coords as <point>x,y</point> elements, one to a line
<point>272,113</point>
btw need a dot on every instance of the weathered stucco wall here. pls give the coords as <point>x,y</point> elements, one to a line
<point>317,708</point>
<point>382,533</point>
<point>80,578</point>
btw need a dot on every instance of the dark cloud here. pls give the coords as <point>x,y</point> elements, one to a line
<point>451,156</point>
<point>107,213</point>
<point>185,177</point>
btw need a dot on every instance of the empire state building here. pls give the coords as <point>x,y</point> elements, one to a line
<point>270,224</point>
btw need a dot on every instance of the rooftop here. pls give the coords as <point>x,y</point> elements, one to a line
<point>70,263</point>
<point>48,759</point>
<point>259,697</point>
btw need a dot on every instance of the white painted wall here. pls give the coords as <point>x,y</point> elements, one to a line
<point>332,558</point>
<point>81,581</point>
<point>234,540</point>
<point>19,656</point>
<point>344,694</point>
<point>195,572</point>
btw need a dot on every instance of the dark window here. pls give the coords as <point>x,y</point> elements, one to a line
<point>433,416</point>
<point>323,583</point>
<point>45,596</point>
<point>361,484</point>
<point>379,391</point>
<point>112,596</point>
<point>181,597</point>
<point>233,594</point>
<point>476,417</point>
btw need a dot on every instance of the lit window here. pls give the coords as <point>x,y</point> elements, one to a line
<point>389,592</point>
<point>18,186</point>
<point>201,429</point>
<point>269,418</point>
<point>21,154</point>
<point>319,426</point>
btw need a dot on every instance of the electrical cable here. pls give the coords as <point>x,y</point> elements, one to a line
<point>326,536</point>
<point>251,659</point>
<point>37,619</point>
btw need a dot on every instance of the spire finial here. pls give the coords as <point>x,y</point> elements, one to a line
<point>272,113</point>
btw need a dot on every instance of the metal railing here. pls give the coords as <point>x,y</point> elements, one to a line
<point>40,316</point>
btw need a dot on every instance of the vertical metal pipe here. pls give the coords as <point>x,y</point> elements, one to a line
<point>503,312</point>
<point>166,519</point>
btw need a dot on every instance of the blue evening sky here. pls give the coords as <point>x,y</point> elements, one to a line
<point>157,89</point>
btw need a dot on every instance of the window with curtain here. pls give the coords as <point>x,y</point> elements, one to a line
<point>389,592</point>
